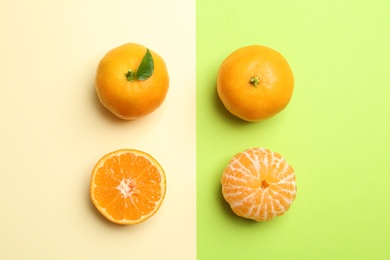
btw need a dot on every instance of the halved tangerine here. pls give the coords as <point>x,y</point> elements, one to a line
<point>259,184</point>
<point>127,186</point>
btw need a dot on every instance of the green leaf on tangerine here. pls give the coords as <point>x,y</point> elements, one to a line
<point>146,68</point>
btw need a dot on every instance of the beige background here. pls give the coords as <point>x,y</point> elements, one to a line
<point>54,130</point>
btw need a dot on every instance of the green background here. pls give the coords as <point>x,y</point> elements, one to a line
<point>334,132</point>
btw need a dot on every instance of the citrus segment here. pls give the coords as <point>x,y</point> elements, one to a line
<point>259,184</point>
<point>127,186</point>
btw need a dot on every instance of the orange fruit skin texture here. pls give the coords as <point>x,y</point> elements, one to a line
<point>273,91</point>
<point>130,99</point>
<point>259,184</point>
<point>127,186</point>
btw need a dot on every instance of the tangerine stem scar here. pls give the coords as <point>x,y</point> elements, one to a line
<point>130,75</point>
<point>254,81</point>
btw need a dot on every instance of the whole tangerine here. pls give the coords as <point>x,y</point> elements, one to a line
<point>255,83</point>
<point>131,81</point>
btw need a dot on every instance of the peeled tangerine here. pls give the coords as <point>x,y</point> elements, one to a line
<point>259,184</point>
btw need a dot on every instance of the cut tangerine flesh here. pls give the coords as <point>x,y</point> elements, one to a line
<point>259,184</point>
<point>127,186</point>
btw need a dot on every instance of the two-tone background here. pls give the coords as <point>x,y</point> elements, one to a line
<point>335,131</point>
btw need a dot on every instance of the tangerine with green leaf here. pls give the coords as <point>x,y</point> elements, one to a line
<point>131,81</point>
